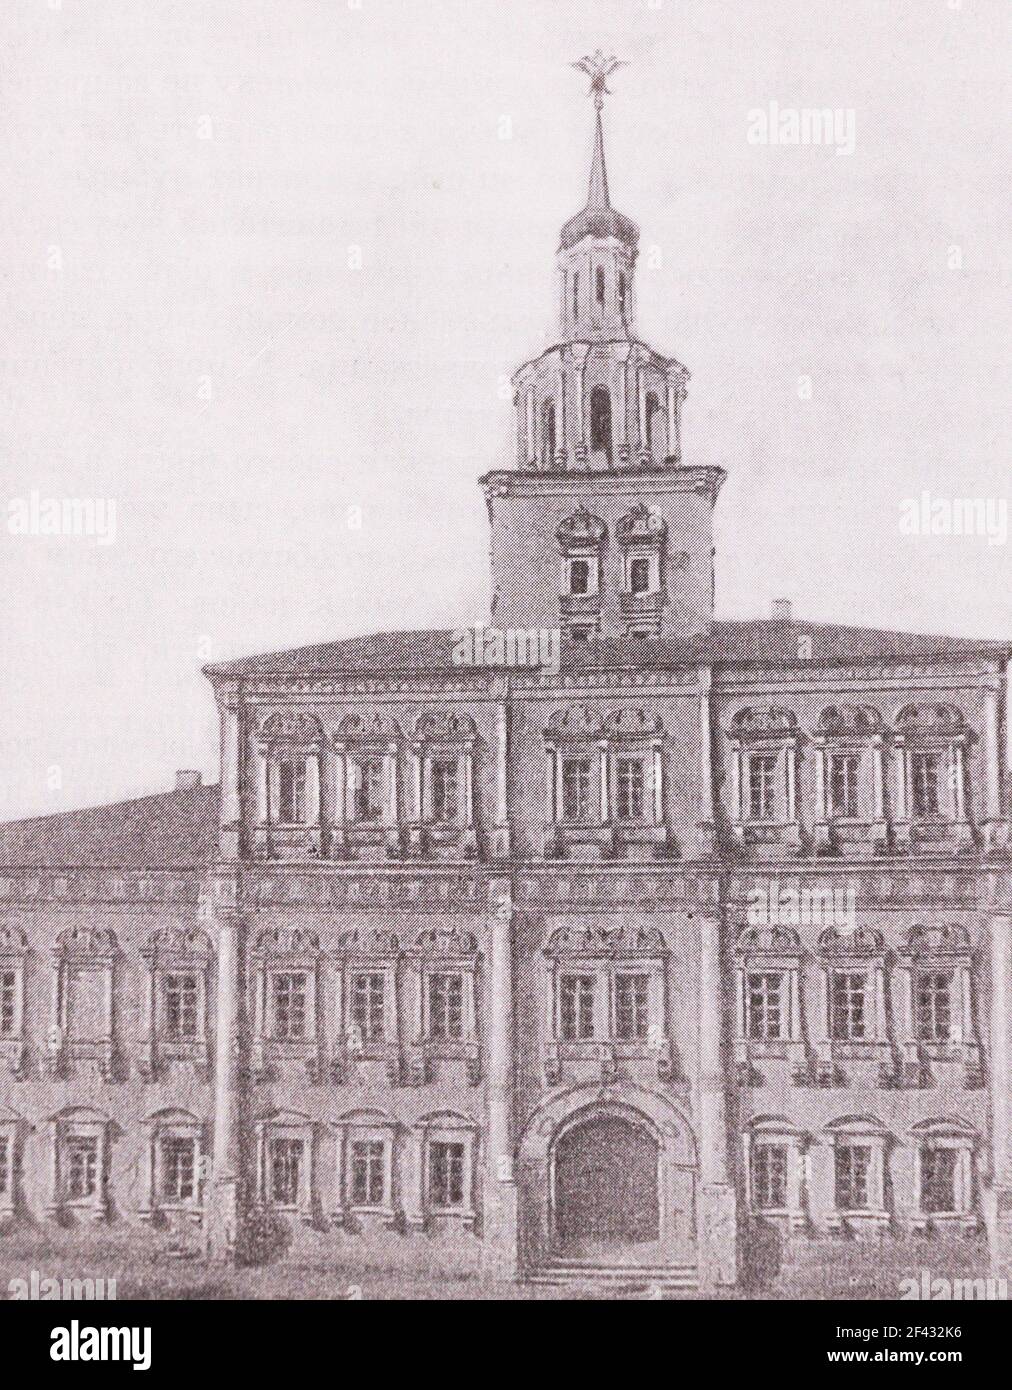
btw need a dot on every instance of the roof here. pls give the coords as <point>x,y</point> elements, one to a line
<point>174,830</point>
<point>742,643</point>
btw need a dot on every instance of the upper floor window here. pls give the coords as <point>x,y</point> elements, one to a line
<point>762,772</point>
<point>933,1006</point>
<point>599,287</point>
<point>576,293</point>
<point>600,420</point>
<point>843,775</point>
<point>655,441</point>
<point>445,805</point>
<point>446,1006</point>
<point>632,1007</point>
<point>181,1006</point>
<point>765,1011</point>
<point>576,789</point>
<point>639,574</point>
<point>8,1003</point>
<point>621,293</point>
<point>579,576</point>
<point>849,1006</point>
<point>368,1012</point>
<point>291,790</point>
<point>368,789</point>
<point>288,1005</point>
<point>576,1007</point>
<point>924,777</point>
<point>629,788</point>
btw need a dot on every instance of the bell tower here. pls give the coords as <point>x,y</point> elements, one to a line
<point>601,529</point>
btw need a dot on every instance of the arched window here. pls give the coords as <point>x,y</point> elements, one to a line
<point>599,287</point>
<point>655,438</point>
<point>576,294</point>
<point>547,434</point>
<point>600,420</point>
<point>621,294</point>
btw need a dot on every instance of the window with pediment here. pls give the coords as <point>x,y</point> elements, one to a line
<point>441,967</point>
<point>582,539</point>
<point>367,964</point>
<point>286,1020</point>
<point>776,1169</point>
<point>442,1168</point>
<point>848,756</point>
<point>286,767</point>
<point>443,762</point>
<point>366,1181</point>
<point>641,536</point>
<point>368,799</point>
<point>175,1164</point>
<point>768,993</point>
<point>935,980</point>
<point>174,1004</point>
<point>13,1128</point>
<point>852,1022</point>
<point>285,1154</point>
<point>13,956</point>
<point>80,1140</point>
<point>858,1148</point>
<point>605,992</point>
<point>945,1187</point>
<point>82,1032</point>
<point>930,751</point>
<point>764,746</point>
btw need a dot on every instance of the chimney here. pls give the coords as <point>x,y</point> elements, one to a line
<point>781,610</point>
<point>188,780</point>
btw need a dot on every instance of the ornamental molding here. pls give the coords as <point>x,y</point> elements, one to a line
<point>606,941</point>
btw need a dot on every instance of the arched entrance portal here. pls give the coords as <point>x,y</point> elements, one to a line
<point>605,1186</point>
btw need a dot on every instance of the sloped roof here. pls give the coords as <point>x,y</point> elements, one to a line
<point>745,642</point>
<point>174,830</point>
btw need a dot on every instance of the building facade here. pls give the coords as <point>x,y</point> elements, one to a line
<point>492,967</point>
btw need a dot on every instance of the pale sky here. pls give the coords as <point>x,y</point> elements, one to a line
<point>184,331</point>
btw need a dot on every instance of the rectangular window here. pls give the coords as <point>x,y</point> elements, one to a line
<point>769,1177</point>
<point>291,791</point>
<point>639,575</point>
<point>579,576</point>
<point>765,1011</point>
<point>367,1006</point>
<point>368,1172</point>
<point>5,1167</point>
<point>853,1173</point>
<point>285,1169</point>
<point>288,999</point>
<point>938,1179</point>
<point>843,769</point>
<point>629,788</point>
<point>179,1168</point>
<point>8,982</point>
<point>762,775</point>
<point>576,1007</point>
<point>444,789</point>
<point>576,789</point>
<point>368,801</point>
<point>621,293</point>
<point>179,996</point>
<point>446,1006</point>
<point>924,769</point>
<point>632,1007</point>
<point>933,1006</point>
<point>850,1019</point>
<point>446,1175</point>
<point>81,1155</point>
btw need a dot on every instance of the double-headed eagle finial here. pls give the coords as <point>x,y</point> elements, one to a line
<point>598,68</point>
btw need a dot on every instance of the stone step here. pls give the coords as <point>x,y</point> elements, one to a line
<point>616,1276</point>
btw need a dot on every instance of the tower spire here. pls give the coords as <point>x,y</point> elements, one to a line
<point>598,68</point>
<point>597,193</point>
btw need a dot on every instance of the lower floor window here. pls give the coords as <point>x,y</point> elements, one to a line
<point>368,1172</point>
<point>179,1167</point>
<point>285,1171</point>
<point>938,1180</point>
<point>82,1166</point>
<point>769,1177</point>
<point>446,1174</point>
<point>853,1170</point>
<point>5,1167</point>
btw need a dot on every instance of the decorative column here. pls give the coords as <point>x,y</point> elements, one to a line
<point>230,822</point>
<point>499,1249</point>
<point>225,1194</point>
<point>530,431</point>
<point>622,352</point>
<point>707,817</point>
<point>580,353</point>
<point>338,798</point>
<point>717,1214</point>
<point>501,828</point>
<point>657,783</point>
<point>561,433</point>
<point>390,807</point>
<point>995,827</point>
<point>821,828</point>
<point>879,829</point>
<point>676,394</point>
<point>641,393</point>
<point>998,1203</point>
